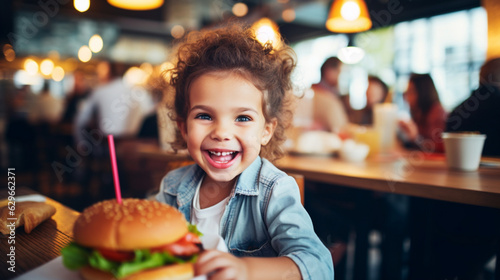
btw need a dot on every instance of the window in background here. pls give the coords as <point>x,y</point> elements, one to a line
<point>310,56</point>
<point>451,47</point>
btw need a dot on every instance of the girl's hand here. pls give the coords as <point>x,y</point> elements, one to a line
<point>218,265</point>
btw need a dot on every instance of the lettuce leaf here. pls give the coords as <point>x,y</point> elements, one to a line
<point>151,261</point>
<point>75,256</point>
<point>96,260</point>
<point>194,229</point>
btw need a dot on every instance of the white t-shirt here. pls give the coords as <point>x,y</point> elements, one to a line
<point>207,220</point>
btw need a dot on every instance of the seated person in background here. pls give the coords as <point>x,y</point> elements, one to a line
<point>463,238</point>
<point>329,113</point>
<point>428,116</point>
<point>376,92</point>
<point>481,111</point>
<point>231,107</point>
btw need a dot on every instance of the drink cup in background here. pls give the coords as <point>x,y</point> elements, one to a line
<point>368,136</point>
<point>385,117</point>
<point>463,150</point>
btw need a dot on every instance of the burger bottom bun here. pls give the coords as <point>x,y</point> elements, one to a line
<point>183,271</point>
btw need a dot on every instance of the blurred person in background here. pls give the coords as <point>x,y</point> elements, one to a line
<point>480,112</point>
<point>376,92</point>
<point>428,116</point>
<point>329,112</point>
<point>118,108</point>
<point>74,99</point>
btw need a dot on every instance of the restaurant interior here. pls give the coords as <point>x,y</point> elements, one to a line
<point>383,213</point>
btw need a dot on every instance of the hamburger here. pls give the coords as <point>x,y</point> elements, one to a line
<point>137,239</point>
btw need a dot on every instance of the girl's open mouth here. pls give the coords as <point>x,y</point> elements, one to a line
<point>221,159</point>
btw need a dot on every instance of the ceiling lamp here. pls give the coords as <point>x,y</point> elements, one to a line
<point>348,16</point>
<point>139,5</point>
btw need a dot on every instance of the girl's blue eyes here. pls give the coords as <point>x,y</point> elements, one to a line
<point>208,118</point>
<point>243,119</point>
<point>203,117</point>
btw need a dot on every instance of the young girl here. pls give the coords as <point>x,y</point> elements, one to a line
<point>230,97</point>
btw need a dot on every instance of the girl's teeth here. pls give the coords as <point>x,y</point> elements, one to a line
<point>221,153</point>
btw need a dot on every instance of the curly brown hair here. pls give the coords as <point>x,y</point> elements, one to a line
<point>235,49</point>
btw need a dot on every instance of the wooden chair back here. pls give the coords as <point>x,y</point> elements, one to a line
<point>299,178</point>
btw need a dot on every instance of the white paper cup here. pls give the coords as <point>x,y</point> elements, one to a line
<point>463,150</point>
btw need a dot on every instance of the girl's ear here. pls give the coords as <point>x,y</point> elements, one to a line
<point>268,132</point>
<point>183,129</point>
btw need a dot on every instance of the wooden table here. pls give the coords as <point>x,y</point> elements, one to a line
<point>413,174</point>
<point>43,244</point>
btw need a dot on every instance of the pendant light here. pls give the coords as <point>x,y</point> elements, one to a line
<point>348,16</point>
<point>139,5</point>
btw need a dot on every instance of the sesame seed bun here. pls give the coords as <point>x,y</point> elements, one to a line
<point>171,272</point>
<point>134,224</point>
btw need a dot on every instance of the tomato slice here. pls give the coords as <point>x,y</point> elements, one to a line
<point>118,256</point>
<point>179,249</point>
<point>186,246</point>
<point>191,238</point>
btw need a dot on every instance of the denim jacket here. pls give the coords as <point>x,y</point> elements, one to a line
<point>263,218</point>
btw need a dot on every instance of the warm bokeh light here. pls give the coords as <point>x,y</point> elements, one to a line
<point>31,66</point>
<point>350,11</point>
<point>288,15</point>
<point>135,76</point>
<point>84,54</point>
<point>10,55</point>
<point>58,74</point>
<point>139,5</point>
<point>46,67</point>
<point>177,31</point>
<point>240,9</point>
<point>95,43</point>
<point>6,47</point>
<point>9,52</point>
<point>267,31</point>
<point>81,5</point>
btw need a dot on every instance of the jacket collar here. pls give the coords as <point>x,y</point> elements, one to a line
<point>248,181</point>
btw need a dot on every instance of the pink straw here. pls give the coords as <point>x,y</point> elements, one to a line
<point>112,154</point>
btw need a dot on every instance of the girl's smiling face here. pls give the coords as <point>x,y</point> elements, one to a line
<point>225,126</point>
